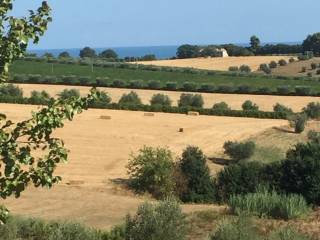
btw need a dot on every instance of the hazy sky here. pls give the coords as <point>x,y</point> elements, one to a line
<point>111,23</point>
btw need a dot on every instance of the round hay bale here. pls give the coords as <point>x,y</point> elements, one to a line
<point>190,113</point>
<point>149,114</point>
<point>105,117</point>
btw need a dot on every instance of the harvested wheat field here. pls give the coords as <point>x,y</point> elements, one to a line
<point>235,101</point>
<point>91,191</point>
<point>221,64</point>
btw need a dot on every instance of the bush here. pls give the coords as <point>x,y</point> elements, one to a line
<point>200,184</point>
<point>271,204</point>
<point>239,178</point>
<point>191,100</point>
<point>314,136</point>
<point>301,172</point>
<point>233,69</point>
<point>171,86</point>
<point>136,84</point>
<point>207,88</point>
<point>282,109</point>
<point>283,90</point>
<point>265,68</point>
<point>245,68</point>
<point>39,97</point>
<point>298,122</point>
<point>221,106</point>
<point>151,171</point>
<point>34,78</point>
<point>189,86</point>
<point>10,90</point>
<point>238,229</point>
<point>244,89</point>
<point>292,60</point>
<point>282,62</point>
<point>273,64</point>
<point>225,89</point>
<point>313,66</point>
<point>303,90</point>
<point>70,80</point>
<point>157,222</point>
<point>160,99</point>
<point>239,151</point>
<point>103,101</point>
<point>250,106</point>
<point>312,110</point>
<point>118,83</point>
<point>85,81</point>
<point>131,98</point>
<point>153,84</point>
<point>69,93</point>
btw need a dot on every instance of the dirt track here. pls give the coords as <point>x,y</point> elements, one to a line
<point>221,64</point>
<point>99,154</point>
<point>234,100</point>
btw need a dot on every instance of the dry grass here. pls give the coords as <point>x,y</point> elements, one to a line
<point>234,100</point>
<point>294,69</point>
<point>221,64</point>
<point>99,154</point>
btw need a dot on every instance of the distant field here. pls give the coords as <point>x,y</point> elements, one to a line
<point>294,69</point>
<point>90,191</point>
<point>221,64</point>
<point>235,101</point>
<point>24,67</point>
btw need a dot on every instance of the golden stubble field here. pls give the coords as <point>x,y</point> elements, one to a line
<point>99,152</point>
<point>221,64</point>
<point>235,101</point>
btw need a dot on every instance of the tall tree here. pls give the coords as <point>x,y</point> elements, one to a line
<point>19,167</point>
<point>312,43</point>
<point>88,52</point>
<point>108,53</point>
<point>254,43</point>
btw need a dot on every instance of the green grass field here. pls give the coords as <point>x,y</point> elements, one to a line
<point>45,69</point>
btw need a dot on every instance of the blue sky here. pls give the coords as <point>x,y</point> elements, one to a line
<point>112,23</point>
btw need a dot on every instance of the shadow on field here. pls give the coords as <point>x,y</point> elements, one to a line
<point>221,161</point>
<point>284,130</point>
<point>124,183</point>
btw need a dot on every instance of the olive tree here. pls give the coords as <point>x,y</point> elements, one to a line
<point>19,167</point>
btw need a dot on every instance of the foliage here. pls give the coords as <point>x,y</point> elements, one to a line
<point>200,188</point>
<point>279,49</point>
<point>188,51</point>
<point>254,43</point>
<point>64,55</point>
<point>273,64</point>
<point>191,100</point>
<point>15,33</point>
<point>131,98</point>
<point>149,57</point>
<point>303,90</point>
<point>161,99</point>
<point>157,222</point>
<point>282,62</point>
<point>221,106</point>
<point>88,52</point>
<point>238,229</point>
<point>245,68</point>
<point>312,43</point>
<point>269,204</point>
<point>298,122</point>
<point>239,150</point>
<point>151,171</point>
<point>108,53</point>
<point>239,178</point>
<point>250,106</point>
<point>39,97</point>
<point>282,109</point>
<point>265,68</point>
<point>103,101</point>
<point>11,91</point>
<point>69,93</point>
<point>233,69</point>
<point>287,233</point>
<point>312,110</point>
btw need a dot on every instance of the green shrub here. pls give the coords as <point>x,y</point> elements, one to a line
<point>287,233</point>
<point>239,229</point>
<point>191,100</point>
<point>19,78</point>
<point>282,62</point>
<point>69,93</point>
<point>265,68</point>
<point>151,171</point>
<point>271,204</point>
<point>103,101</point>
<point>200,187</point>
<point>250,106</point>
<point>164,221</point>
<point>131,98</point>
<point>298,122</point>
<point>244,89</point>
<point>160,99</point>
<point>206,88</point>
<point>70,80</point>
<point>85,81</point>
<point>312,110</point>
<point>189,86</point>
<point>303,90</point>
<point>283,90</point>
<point>264,90</point>
<point>273,64</point>
<point>39,97</point>
<point>171,86</point>
<point>239,178</point>
<point>239,150</point>
<point>118,83</point>
<point>245,68</point>
<point>221,106</point>
<point>282,109</point>
<point>225,89</point>
<point>153,84</point>
<point>34,78</point>
<point>10,90</point>
<point>301,172</point>
<point>314,136</point>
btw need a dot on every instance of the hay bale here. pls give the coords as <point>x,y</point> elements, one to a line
<point>190,113</point>
<point>75,182</point>
<point>181,130</point>
<point>149,114</point>
<point>106,117</point>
